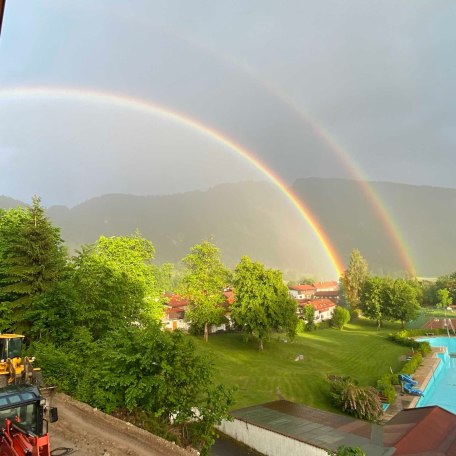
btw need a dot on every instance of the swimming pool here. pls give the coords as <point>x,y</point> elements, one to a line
<point>441,389</point>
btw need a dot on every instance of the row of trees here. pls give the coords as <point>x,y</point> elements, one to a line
<point>262,303</point>
<point>380,298</point>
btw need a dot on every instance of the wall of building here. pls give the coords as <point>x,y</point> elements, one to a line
<point>267,442</point>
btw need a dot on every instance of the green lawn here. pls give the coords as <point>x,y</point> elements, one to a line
<point>359,351</point>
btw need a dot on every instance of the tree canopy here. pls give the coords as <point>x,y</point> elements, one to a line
<point>203,283</point>
<point>262,302</point>
<point>354,277</point>
<point>32,257</point>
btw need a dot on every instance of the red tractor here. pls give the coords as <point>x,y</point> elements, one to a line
<point>25,429</point>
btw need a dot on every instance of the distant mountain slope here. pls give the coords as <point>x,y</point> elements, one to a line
<point>425,218</point>
<point>7,203</point>
<point>255,219</point>
<point>242,219</point>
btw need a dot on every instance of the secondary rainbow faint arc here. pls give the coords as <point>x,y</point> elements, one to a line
<point>147,107</point>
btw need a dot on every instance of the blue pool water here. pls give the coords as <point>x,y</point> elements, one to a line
<point>441,389</point>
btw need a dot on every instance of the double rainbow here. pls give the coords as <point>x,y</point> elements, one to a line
<point>149,108</point>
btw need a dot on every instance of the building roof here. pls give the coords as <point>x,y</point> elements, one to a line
<point>177,301</point>
<point>326,285</point>
<point>322,304</point>
<point>422,431</point>
<point>316,427</point>
<point>301,287</point>
<point>327,294</point>
<point>229,295</point>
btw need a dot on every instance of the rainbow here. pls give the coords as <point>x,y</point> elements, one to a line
<point>149,108</point>
<point>322,133</point>
<point>374,199</point>
<point>326,138</point>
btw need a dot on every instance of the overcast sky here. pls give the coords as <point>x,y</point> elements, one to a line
<point>378,76</point>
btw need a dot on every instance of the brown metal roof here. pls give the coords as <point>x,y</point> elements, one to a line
<point>422,431</point>
<point>316,427</point>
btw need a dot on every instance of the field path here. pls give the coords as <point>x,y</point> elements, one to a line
<point>90,432</point>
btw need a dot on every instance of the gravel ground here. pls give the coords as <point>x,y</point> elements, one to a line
<point>89,432</point>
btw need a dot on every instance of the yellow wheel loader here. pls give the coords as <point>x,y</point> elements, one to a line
<point>13,368</point>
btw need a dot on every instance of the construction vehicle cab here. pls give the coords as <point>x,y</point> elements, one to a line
<point>13,368</point>
<point>22,418</point>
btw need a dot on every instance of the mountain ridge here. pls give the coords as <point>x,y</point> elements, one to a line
<point>251,218</point>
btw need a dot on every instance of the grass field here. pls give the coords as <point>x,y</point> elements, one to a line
<point>359,351</point>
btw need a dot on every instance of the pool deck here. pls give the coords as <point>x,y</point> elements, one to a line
<point>422,375</point>
<point>425,371</point>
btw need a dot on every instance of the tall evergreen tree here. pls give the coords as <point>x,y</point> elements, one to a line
<point>32,257</point>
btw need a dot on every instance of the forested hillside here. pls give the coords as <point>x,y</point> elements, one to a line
<point>255,219</point>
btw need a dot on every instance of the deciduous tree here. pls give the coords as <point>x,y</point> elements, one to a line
<point>400,302</point>
<point>444,299</point>
<point>115,283</point>
<point>262,302</point>
<point>354,277</point>
<point>372,299</point>
<point>203,283</point>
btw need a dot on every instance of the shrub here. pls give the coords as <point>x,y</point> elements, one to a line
<point>403,338</point>
<point>354,314</point>
<point>301,326</point>
<point>324,324</point>
<point>341,317</point>
<point>360,401</point>
<point>410,366</point>
<point>347,451</point>
<point>385,386</point>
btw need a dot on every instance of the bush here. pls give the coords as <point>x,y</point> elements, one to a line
<point>301,326</point>
<point>403,338</point>
<point>354,314</point>
<point>347,451</point>
<point>360,401</point>
<point>341,317</point>
<point>324,324</point>
<point>385,386</point>
<point>410,366</point>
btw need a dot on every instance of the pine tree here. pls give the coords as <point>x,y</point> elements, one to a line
<point>32,257</point>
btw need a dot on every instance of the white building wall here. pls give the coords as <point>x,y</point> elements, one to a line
<point>268,442</point>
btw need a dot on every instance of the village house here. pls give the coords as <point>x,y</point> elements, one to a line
<point>302,291</point>
<point>323,308</point>
<point>326,286</point>
<point>323,296</point>
<point>176,307</point>
<point>174,317</point>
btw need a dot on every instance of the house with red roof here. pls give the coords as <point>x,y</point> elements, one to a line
<point>326,286</point>
<point>301,291</point>
<point>323,308</point>
<point>175,308</point>
<point>177,305</point>
<point>422,431</point>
